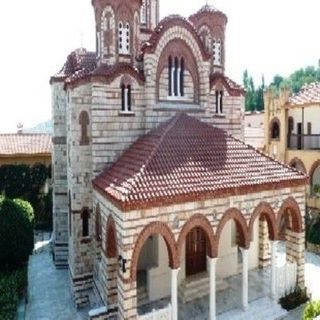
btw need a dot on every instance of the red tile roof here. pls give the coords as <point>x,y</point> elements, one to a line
<point>79,63</point>
<point>184,160</point>
<point>25,144</point>
<point>309,93</point>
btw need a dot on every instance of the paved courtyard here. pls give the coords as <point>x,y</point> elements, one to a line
<point>50,299</point>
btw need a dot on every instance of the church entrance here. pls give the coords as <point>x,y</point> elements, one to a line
<point>196,252</point>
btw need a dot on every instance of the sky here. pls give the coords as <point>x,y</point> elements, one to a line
<point>264,36</point>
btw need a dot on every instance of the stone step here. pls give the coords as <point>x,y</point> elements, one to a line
<point>263,308</point>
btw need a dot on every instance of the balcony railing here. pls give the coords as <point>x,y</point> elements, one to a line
<point>304,142</point>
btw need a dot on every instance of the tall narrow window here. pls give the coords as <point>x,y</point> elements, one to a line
<point>182,77</point>
<point>309,128</point>
<point>120,38</point>
<point>85,222</point>
<point>176,67</point>
<point>127,42</point>
<point>221,102</point>
<point>217,52</point>
<point>84,122</point>
<point>70,215</point>
<point>170,86</point>
<point>143,12</point>
<point>217,102</point>
<point>125,98</point>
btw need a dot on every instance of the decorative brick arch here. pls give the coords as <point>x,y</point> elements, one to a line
<point>203,223</point>
<point>126,81</point>
<point>111,239</point>
<point>236,215</point>
<point>299,162</point>
<point>291,208</point>
<point>314,167</point>
<point>152,229</point>
<point>180,49</point>
<point>265,211</point>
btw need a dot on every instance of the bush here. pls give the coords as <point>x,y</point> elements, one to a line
<point>314,233</point>
<point>16,233</point>
<point>312,310</point>
<point>294,299</point>
<point>12,286</point>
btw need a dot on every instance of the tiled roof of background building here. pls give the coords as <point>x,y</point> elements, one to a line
<point>25,144</point>
<point>309,93</point>
<point>184,160</point>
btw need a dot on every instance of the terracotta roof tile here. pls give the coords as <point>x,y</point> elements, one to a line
<point>25,144</point>
<point>309,93</point>
<point>185,159</point>
<point>79,63</point>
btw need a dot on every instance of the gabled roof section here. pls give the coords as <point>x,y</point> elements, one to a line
<point>79,62</point>
<point>25,144</point>
<point>208,8</point>
<point>309,94</point>
<point>185,160</point>
<point>232,87</point>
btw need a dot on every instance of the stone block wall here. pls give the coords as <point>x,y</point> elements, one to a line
<point>59,159</point>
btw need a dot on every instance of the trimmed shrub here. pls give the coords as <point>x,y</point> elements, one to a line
<point>12,287</point>
<point>314,233</point>
<point>16,233</point>
<point>295,299</point>
<point>312,310</point>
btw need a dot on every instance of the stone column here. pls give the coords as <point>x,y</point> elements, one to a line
<point>245,268</point>
<point>174,293</point>
<point>212,298</point>
<point>274,245</point>
<point>295,246</point>
<point>264,250</point>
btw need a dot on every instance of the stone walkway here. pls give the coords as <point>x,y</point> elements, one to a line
<point>49,295</point>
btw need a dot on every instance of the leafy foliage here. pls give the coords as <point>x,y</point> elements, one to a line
<point>21,181</point>
<point>294,299</point>
<point>297,79</point>
<point>11,288</point>
<point>254,96</point>
<point>313,235</point>
<point>16,233</point>
<point>312,310</point>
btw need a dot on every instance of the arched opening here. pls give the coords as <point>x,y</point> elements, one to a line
<point>275,129</point>
<point>297,164</point>
<point>291,236</point>
<point>153,256</point>
<point>85,216</point>
<point>233,252</point>
<point>315,178</point>
<point>111,256</point>
<point>98,227</point>
<point>263,234</point>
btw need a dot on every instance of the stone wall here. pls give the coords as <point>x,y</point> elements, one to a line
<point>59,159</point>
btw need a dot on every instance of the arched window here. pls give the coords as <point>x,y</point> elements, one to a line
<point>143,12</point>
<point>98,224</point>
<point>176,71</point>
<point>275,129</point>
<point>84,122</point>
<point>217,52</point>
<point>219,102</point>
<point>85,216</point>
<point>125,98</point>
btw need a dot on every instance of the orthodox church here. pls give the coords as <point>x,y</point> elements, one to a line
<point>155,195</point>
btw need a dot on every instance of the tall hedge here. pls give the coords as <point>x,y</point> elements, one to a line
<point>16,233</point>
